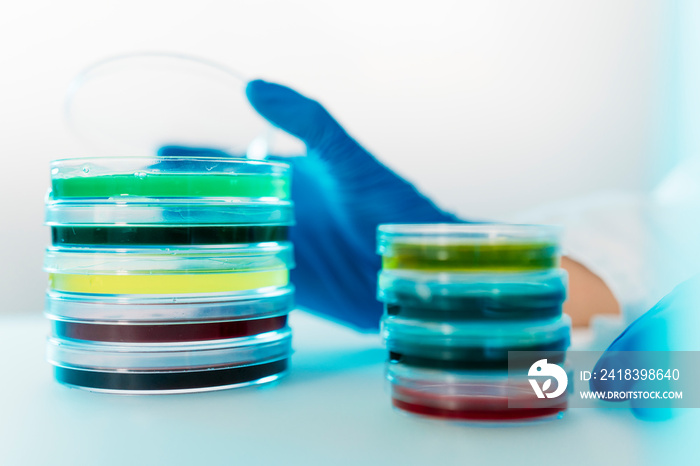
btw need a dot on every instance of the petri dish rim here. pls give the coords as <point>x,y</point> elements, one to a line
<point>402,331</point>
<point>466,233</point>
<point>143,163</point>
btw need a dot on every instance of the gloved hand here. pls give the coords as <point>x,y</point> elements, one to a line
<point>650,342</point>
<point>341,193</point>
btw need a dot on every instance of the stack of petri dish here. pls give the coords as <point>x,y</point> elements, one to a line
<point>168,274</point>
<point>458,298</point>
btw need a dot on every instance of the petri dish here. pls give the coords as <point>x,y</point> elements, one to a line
<point>164,331</point>
<point>237,305</point>
<point>470,396</point>
<point>168,213</point>
<point>169,177</point>
<point>158,235</point>
<point>170,367</point>
<point>469,247</point>
<point>165,382</point>
<point>263,256</point>
<point>168,271</point>
<point>135,104</point>
<point>167,284</point>
<point>470,345</point>
<point>473,297</point>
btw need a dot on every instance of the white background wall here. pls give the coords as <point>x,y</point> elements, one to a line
<point>490,107</point>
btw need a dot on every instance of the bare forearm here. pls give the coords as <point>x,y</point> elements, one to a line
<point>588,294</point>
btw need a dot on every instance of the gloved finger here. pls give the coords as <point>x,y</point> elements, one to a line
<point>296,114</point>
<point>308,120</point>
<point>604,377</point>
<point>370,190</point>
<point>653,341</point>
<point>638,348</point>
<point>652,414</point>
<point>624,370</point>
<point>656,409</point>
<point>643,345</point>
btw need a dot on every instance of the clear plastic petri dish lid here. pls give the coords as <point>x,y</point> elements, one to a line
<point>464,233</point>
<point>255,304</point>
<point>232,352</point>
<point>412,336</point>
<point>469,247</point>
<point>168,260</point>
<point>125,178</point>
<point>168,212</point>
<point>135,104</point>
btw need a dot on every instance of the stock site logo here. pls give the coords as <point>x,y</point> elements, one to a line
<point>543,369</point>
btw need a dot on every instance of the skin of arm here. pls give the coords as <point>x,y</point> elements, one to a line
<point>588,294</point>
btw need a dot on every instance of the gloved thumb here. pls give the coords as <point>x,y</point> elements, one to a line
<point>309,121</point>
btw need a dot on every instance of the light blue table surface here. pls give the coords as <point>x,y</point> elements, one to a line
<point>332,409</point>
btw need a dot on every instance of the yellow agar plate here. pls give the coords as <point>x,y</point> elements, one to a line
<point>167,284</point>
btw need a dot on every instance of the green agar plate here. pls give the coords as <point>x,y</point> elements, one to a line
<point>469,247</point>
<point>166,177</point>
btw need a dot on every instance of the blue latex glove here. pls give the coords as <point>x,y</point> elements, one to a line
<point>670,326</point>
<point>341,193</point>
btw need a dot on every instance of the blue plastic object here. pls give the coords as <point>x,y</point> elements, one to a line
<point>341,193</point>
<point>671,325</point>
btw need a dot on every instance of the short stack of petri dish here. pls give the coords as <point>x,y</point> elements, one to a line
<point>458,298</point>
<point>168,274</point>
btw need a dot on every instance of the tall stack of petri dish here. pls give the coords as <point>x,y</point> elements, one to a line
<point>168,274</point>
<point>457,299</point>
